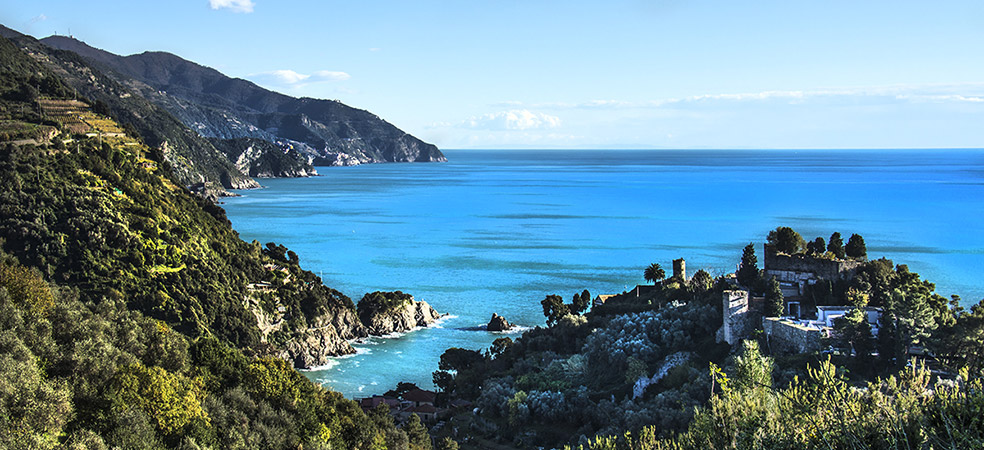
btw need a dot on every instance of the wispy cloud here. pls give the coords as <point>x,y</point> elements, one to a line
<point>239,6</point>
<point>36,19</point>
<point>515,119</point>
<point>288,77</point>
<point>937,93</point>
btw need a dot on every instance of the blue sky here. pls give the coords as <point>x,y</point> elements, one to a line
<point>580,74</point>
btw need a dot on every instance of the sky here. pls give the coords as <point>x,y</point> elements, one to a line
<point>584,74</point>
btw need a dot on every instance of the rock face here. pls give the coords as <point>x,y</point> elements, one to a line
<point>401,319</point>
<point>313,347</point>
<point>498,323</point>
<point>264,159</point>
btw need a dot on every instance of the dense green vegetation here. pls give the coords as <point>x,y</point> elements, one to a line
<point>577,377</point>
<point>379,302</point>
<point>126,316</point>
<point>824,410</point>
<point>100,375</point>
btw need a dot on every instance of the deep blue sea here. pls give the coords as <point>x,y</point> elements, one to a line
<point>497,231</point>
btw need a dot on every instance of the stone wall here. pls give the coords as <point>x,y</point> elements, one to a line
<point>789,337</point>
<point>823,269</point>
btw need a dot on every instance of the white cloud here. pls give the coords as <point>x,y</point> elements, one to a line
<point>938,93</point>
<point>329,75</point>
<point>286,77</point>
<point>239,6</point>
<point>516,119</point>
<point>38,18</point>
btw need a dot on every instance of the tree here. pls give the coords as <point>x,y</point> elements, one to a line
<point>447,444</point>
<point>700,283</point>
<point>170,400</point>
<point>654,273</point>
<point>787,240</point>
<point>773,299</point>
<point>836,245</point>
<point>852,330</point>
<point>417,434</point>
<point>554,309</point>
<point>581,302</point>
<point>817,247</point>
<point>499,346</point>
<point>752,369</point>
<point>963,342</point>
<point>855,247</point>
<point>748,272</point>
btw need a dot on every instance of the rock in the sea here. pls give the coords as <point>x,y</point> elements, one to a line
<point>498,323</point>
<point>394,312</point>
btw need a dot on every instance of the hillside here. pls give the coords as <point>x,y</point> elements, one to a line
<point>132,314</point>
<point>216,106</point>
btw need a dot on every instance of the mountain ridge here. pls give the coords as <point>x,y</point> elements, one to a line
<point>327,132</point>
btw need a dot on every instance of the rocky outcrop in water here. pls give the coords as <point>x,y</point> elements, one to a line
<point>412,315</point>
<point>394,312</point>
<point>499,323</point>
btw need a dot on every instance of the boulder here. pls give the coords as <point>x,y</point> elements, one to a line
<point>498,323</point>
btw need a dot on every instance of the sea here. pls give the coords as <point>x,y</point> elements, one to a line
<point>496,231</point>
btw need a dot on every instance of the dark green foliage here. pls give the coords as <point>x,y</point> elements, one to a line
<point>817,247</point>
<point>774,305</point>
<point>786,240</point>
<point>554,309</point>
<point>836,245</point>
<point>378,302</point>
<point>447,443</point>
<point>700,283</point>
<point>654,273</point>
<point>748,272</point>
<point>961,344</point>
<point>855,247</point>
<point>467,366</point>
<point>581,302</point>
<point>417,436</point>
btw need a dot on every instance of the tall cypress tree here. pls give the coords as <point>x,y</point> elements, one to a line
<point>774,305</point>
<point>836,245</point>
<point>748,272</point>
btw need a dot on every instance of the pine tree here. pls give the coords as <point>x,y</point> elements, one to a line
<point>836,245</point>
<point>855,247</point>
<point>748,272</point>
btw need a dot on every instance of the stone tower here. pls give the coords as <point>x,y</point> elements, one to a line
<point>680,269</point>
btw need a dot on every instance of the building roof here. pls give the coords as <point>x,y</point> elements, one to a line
<point>420,396</point>
<point>422,409</point>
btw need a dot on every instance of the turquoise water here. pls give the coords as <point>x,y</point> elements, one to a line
<point>497,231</point>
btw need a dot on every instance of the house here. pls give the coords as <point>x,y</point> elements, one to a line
<point>600,300</point>
<point>420,397</point>
<point>376,400</point>
<point>427,413</point>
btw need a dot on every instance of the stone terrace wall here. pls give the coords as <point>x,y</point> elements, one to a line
<point>789,337</point>
<point>824,269</point>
